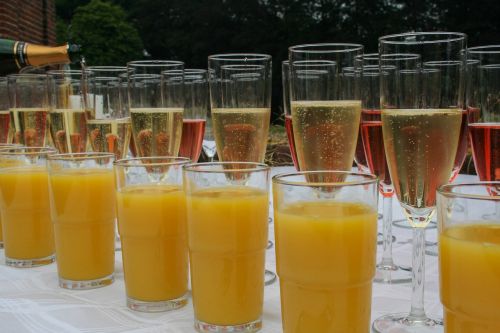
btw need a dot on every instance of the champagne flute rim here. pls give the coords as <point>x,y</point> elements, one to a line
<point>365,178</point>
<point>484,49</point>
<point>81,156</point>
<point>205,167</point>
<point>447,190</point>
<point>106,68</point>
<point>27,76</point>
<point>195,71</point>
<point>285,63</point>
<point>154,63</point>
<point>394,38</point>
<point>66,72</point>
<point>334,48</point>
<point>21,150</point>
<point>147,161</point>
<point>240,57</point>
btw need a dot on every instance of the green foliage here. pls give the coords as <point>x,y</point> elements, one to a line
<point>107,38</point>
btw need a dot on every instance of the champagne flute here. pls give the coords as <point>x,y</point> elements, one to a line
<point>6,131</point>
<point>240,98</point>
<point>371,134</point>
<point>156,104</point>
<point>326,105</point>
<point>29,104</point>
<point>421,138</point>
<point>195,113</point>
<point>285,75</point>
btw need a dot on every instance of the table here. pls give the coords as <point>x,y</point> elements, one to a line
<point>31,301</point>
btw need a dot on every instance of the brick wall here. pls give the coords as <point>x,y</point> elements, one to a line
<point>31,21</point>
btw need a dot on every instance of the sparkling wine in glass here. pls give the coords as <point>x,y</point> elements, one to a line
<point>285,74</point>
<point>373,145</point>
<point>156,102</point>
<point>240,96</point>
<point>195,113</point>
<point>421,130</point>
<point>6,131</point>
<point>325,105</point>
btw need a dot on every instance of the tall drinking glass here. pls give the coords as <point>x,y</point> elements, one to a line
<point>29,105</point>
<point>6,131</point>
<point>24,204</point>
<point>68,121</point>
<point>326,105</point>
<point>154,249</point>
<point>195,113</point>
<point>156,101</point>
<point>469,257</point>
<point>372,141</point>
<point>483,94</point>
<point>83,212</point>
<point>421,132</point>
<point>326,239</point>
<point>285,78</point>
<point>227,219</point>
<point>108,125</point>
<point>240,97</point>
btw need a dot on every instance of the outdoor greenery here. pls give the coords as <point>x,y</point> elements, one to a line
<point>190,30</point>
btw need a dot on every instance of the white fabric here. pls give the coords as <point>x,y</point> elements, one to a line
<point>31,301</point>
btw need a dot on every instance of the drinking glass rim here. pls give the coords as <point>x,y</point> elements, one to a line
<point>28,76</point>
<point>154,63</point>
<point>393,39</point>
<point>483,49</point>
<point>17,151</point>
<point>447,191</point>
<point>174,160</point>
<point>369,178</point>
<point>65,71</point>
<point>304,48</point>
<point>195,71</point>
<point>80,156</point>
<point>239,57</point>
<point>200,167</point>
<point>106,68</point>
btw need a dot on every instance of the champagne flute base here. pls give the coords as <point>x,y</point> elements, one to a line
<point>403,223</point>
<point>393,274</point>
<point>380,238</point>
<point>403,323</point>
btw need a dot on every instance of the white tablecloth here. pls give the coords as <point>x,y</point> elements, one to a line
<point>31,301</point>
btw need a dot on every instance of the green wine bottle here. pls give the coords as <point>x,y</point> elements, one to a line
<point>15,55</point>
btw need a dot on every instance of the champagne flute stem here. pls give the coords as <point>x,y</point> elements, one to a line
<point>387,232</point>
<point>417,312</point>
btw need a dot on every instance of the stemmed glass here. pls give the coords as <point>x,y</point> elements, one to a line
<point>195,113</point>
<point>373,144</point>
<point>420,137</point>
<point>285,77</point>
<point>6,131</point>
<point>325,103</point>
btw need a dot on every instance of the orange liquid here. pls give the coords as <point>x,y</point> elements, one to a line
<point>325,255</point>
<point>152,223</point>
<point>83,212</point>
<point>24,204</point>
<point>227,233</point>
<point>469,257</point>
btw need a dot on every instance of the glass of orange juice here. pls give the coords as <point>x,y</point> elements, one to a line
<point>83,210</point>
<point>227,211</point>
<point>325,225</point>
<point>24,205</point>
<point>151,208</point>
<point>469,256</point>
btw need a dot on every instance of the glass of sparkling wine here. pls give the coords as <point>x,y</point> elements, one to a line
<point>285,80</point>
<point>156,102</point>
<point>195,113</point>
<point>68,121</point>
<point>29,105</point>
<point>373,144</point>
<point>227,223</point>
<point>326,105</point>
<point>421,133</point>
<point>469,256</point>
<point>240,97</point>
<point>6,131</point>
<point>108,123</point>
<point>483,94</point>
<point>83,212</point>
<point>24,200</point>
<point>154,250</point>
<point>326,240</point>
